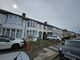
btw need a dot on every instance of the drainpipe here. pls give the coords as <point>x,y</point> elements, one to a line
<point>45,25</point>
<point>0,29</point>
<point>24,15</point>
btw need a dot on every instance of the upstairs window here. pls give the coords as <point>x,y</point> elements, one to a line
<point>0,28</point>
<point>49,28</point>
<point>13,19</point>
<point>44,27</point>
<point>31,23</point>
<point>39,26</point>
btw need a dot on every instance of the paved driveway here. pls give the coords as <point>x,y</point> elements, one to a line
<point>49,53</point>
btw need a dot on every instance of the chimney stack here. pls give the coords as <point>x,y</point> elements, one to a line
<point>23,15</point>
<point>45,22</point>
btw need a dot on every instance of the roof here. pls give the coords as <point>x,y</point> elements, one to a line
<point>7,12</point>
<point>26,18</point>
<point>40,22</point>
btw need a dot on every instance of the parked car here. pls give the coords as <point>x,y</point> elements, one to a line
<point>54,38</point>
<point>70,50</point>
<point>6,43</point>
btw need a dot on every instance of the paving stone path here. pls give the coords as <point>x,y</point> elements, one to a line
<point>48,53</point>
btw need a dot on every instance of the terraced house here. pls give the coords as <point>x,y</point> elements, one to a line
<point>16,26</point>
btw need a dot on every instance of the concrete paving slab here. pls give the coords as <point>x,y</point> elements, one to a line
<point>48,50</point>
<point>38,58</point>
<point>48,55</point>
<point>43,56</point>
<point>55,49</point>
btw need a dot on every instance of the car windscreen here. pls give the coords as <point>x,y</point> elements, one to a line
<point>72,43</point>
<point>10,38</point>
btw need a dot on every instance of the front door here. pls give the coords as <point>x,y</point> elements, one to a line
<point>44,35</point>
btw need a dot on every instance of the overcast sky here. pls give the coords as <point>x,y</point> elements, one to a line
<point>64,14</point>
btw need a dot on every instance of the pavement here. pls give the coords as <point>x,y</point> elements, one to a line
<point>48,53</point>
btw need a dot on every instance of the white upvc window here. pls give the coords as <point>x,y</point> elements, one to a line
<point>3,32</point>
<point>34,24</point>
<point>0,28</point>
<point>9,19</point>
<point>39,26</point>
<point>31,23</point>
<point>28,33</point>
<point>13,33</point>
<point>31,33</point>
<point>8,32</point>
<point>13,19</point>
<point>18,33</point>
<point>27,23</point>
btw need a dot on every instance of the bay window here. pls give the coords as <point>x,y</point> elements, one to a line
<point>13,33</point>
<point>13,19</point>
<point>8,32</point>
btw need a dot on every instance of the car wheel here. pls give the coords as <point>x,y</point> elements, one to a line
<point>15,46</point>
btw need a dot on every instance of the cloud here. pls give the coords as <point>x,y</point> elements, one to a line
<point>61,13</point>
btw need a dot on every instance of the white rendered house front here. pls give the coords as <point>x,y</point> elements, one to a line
<point>12,25</point>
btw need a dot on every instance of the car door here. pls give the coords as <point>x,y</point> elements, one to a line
<point>4,43</point>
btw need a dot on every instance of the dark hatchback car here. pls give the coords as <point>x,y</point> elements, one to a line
<point>70,50</point>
